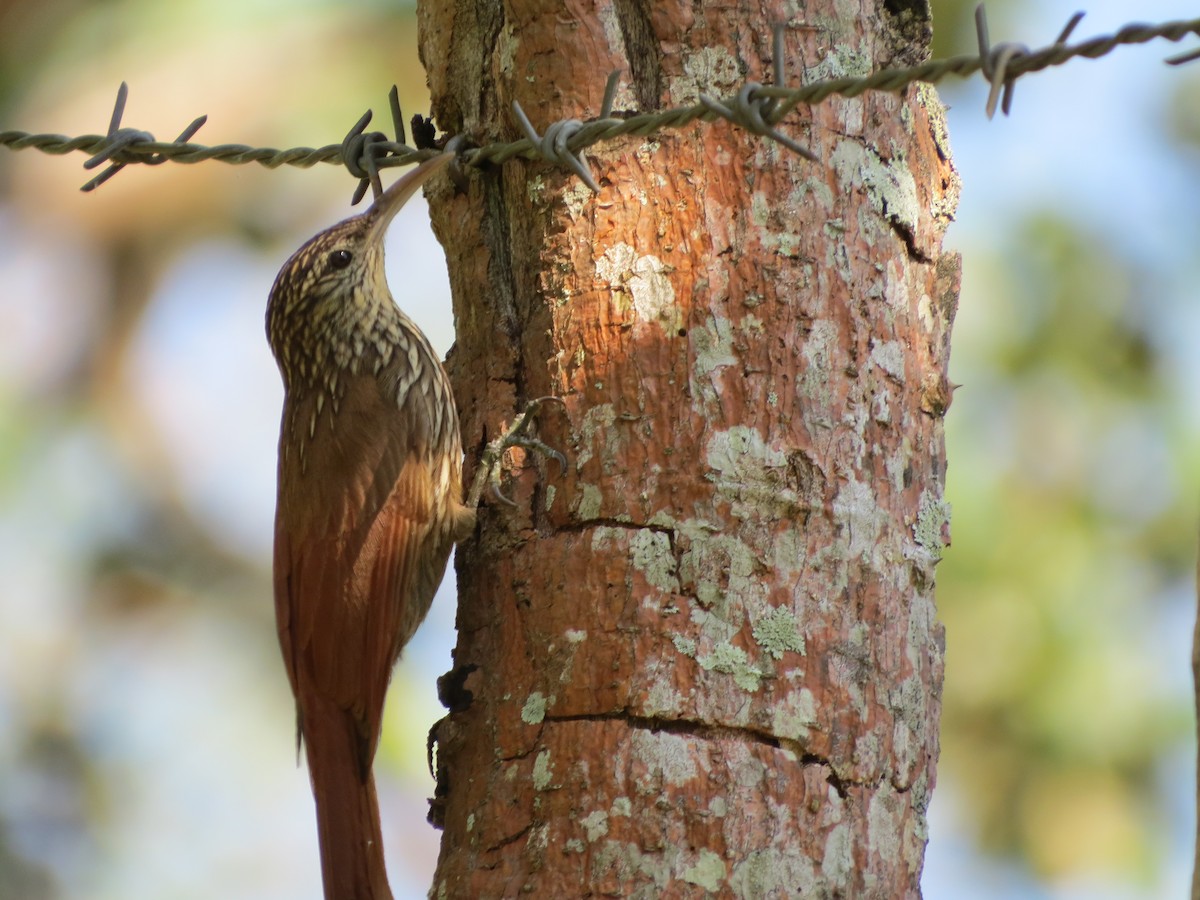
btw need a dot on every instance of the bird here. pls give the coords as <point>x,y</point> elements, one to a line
<point>369,506</point>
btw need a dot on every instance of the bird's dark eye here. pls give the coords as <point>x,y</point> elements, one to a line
<point>339,259</point>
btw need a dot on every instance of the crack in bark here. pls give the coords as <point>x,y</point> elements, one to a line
<point>498,236</point>
<point>642,51</point>
<point>491,22</point>
<point>703,730</point>
<point>589,524</point>
<point>833,779</point>
<point>677,558</point>
<point>706,731</point>
<point>907,237</point>
<point>509,841</point>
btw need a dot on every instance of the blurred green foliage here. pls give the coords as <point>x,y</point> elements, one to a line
<point>1072,479</point>
<point>141,695</point>
<point>1073,522</point>
<point>954,24</point>
<point>1184,122</point>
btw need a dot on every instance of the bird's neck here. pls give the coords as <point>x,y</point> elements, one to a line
<point>342,341</point>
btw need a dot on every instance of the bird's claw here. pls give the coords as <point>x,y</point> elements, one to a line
<point>494,484</point>
<point>533,445</point>
<point>513,437</point>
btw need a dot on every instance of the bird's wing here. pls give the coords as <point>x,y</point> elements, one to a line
<point>353,515</point>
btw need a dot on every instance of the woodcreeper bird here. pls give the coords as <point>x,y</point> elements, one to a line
<point>368,508</point>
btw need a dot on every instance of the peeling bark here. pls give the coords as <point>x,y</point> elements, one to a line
<point>705,659</point>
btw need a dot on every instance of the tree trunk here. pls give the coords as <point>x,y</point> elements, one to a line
<point>704,659</point>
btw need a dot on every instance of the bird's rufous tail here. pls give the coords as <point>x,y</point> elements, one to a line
<point>339,763</point>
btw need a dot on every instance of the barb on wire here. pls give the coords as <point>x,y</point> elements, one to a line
<point>454,170</point>
<point>758,108</point>
<point>996,60</point>
<point>756,112</point>
<point>937,70</point>
<point>363,151</point>
<point>118,140</point>
<point>1180,58</point>
<point>610,94</point>
<point>557,145</point>
<point>552,146</point>
<point>749,110</point>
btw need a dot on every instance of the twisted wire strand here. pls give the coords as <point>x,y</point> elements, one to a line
<point>783,99</point>
<point>187,153</point>
<point>937,70</point>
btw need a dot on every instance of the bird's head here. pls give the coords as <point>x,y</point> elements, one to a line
<point>332,292</point>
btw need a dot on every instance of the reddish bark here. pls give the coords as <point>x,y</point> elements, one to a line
<point>704,659</point>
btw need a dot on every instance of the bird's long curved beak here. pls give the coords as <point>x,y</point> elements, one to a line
<point>391,201</point>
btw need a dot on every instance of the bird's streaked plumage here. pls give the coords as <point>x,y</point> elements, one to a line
<point>369,505</point>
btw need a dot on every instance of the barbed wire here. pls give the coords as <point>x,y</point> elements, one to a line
<point>755,107</point>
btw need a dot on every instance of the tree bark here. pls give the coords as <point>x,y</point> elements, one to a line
<point>705,658</point>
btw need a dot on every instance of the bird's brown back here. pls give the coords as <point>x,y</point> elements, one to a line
<point>370,473</point>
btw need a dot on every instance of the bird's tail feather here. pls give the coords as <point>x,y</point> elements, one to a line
<point>352,866</point>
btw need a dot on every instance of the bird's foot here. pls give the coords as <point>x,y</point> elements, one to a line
<point>490,461</point>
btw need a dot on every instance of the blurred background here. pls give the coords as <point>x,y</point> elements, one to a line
<point>146,729</point>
